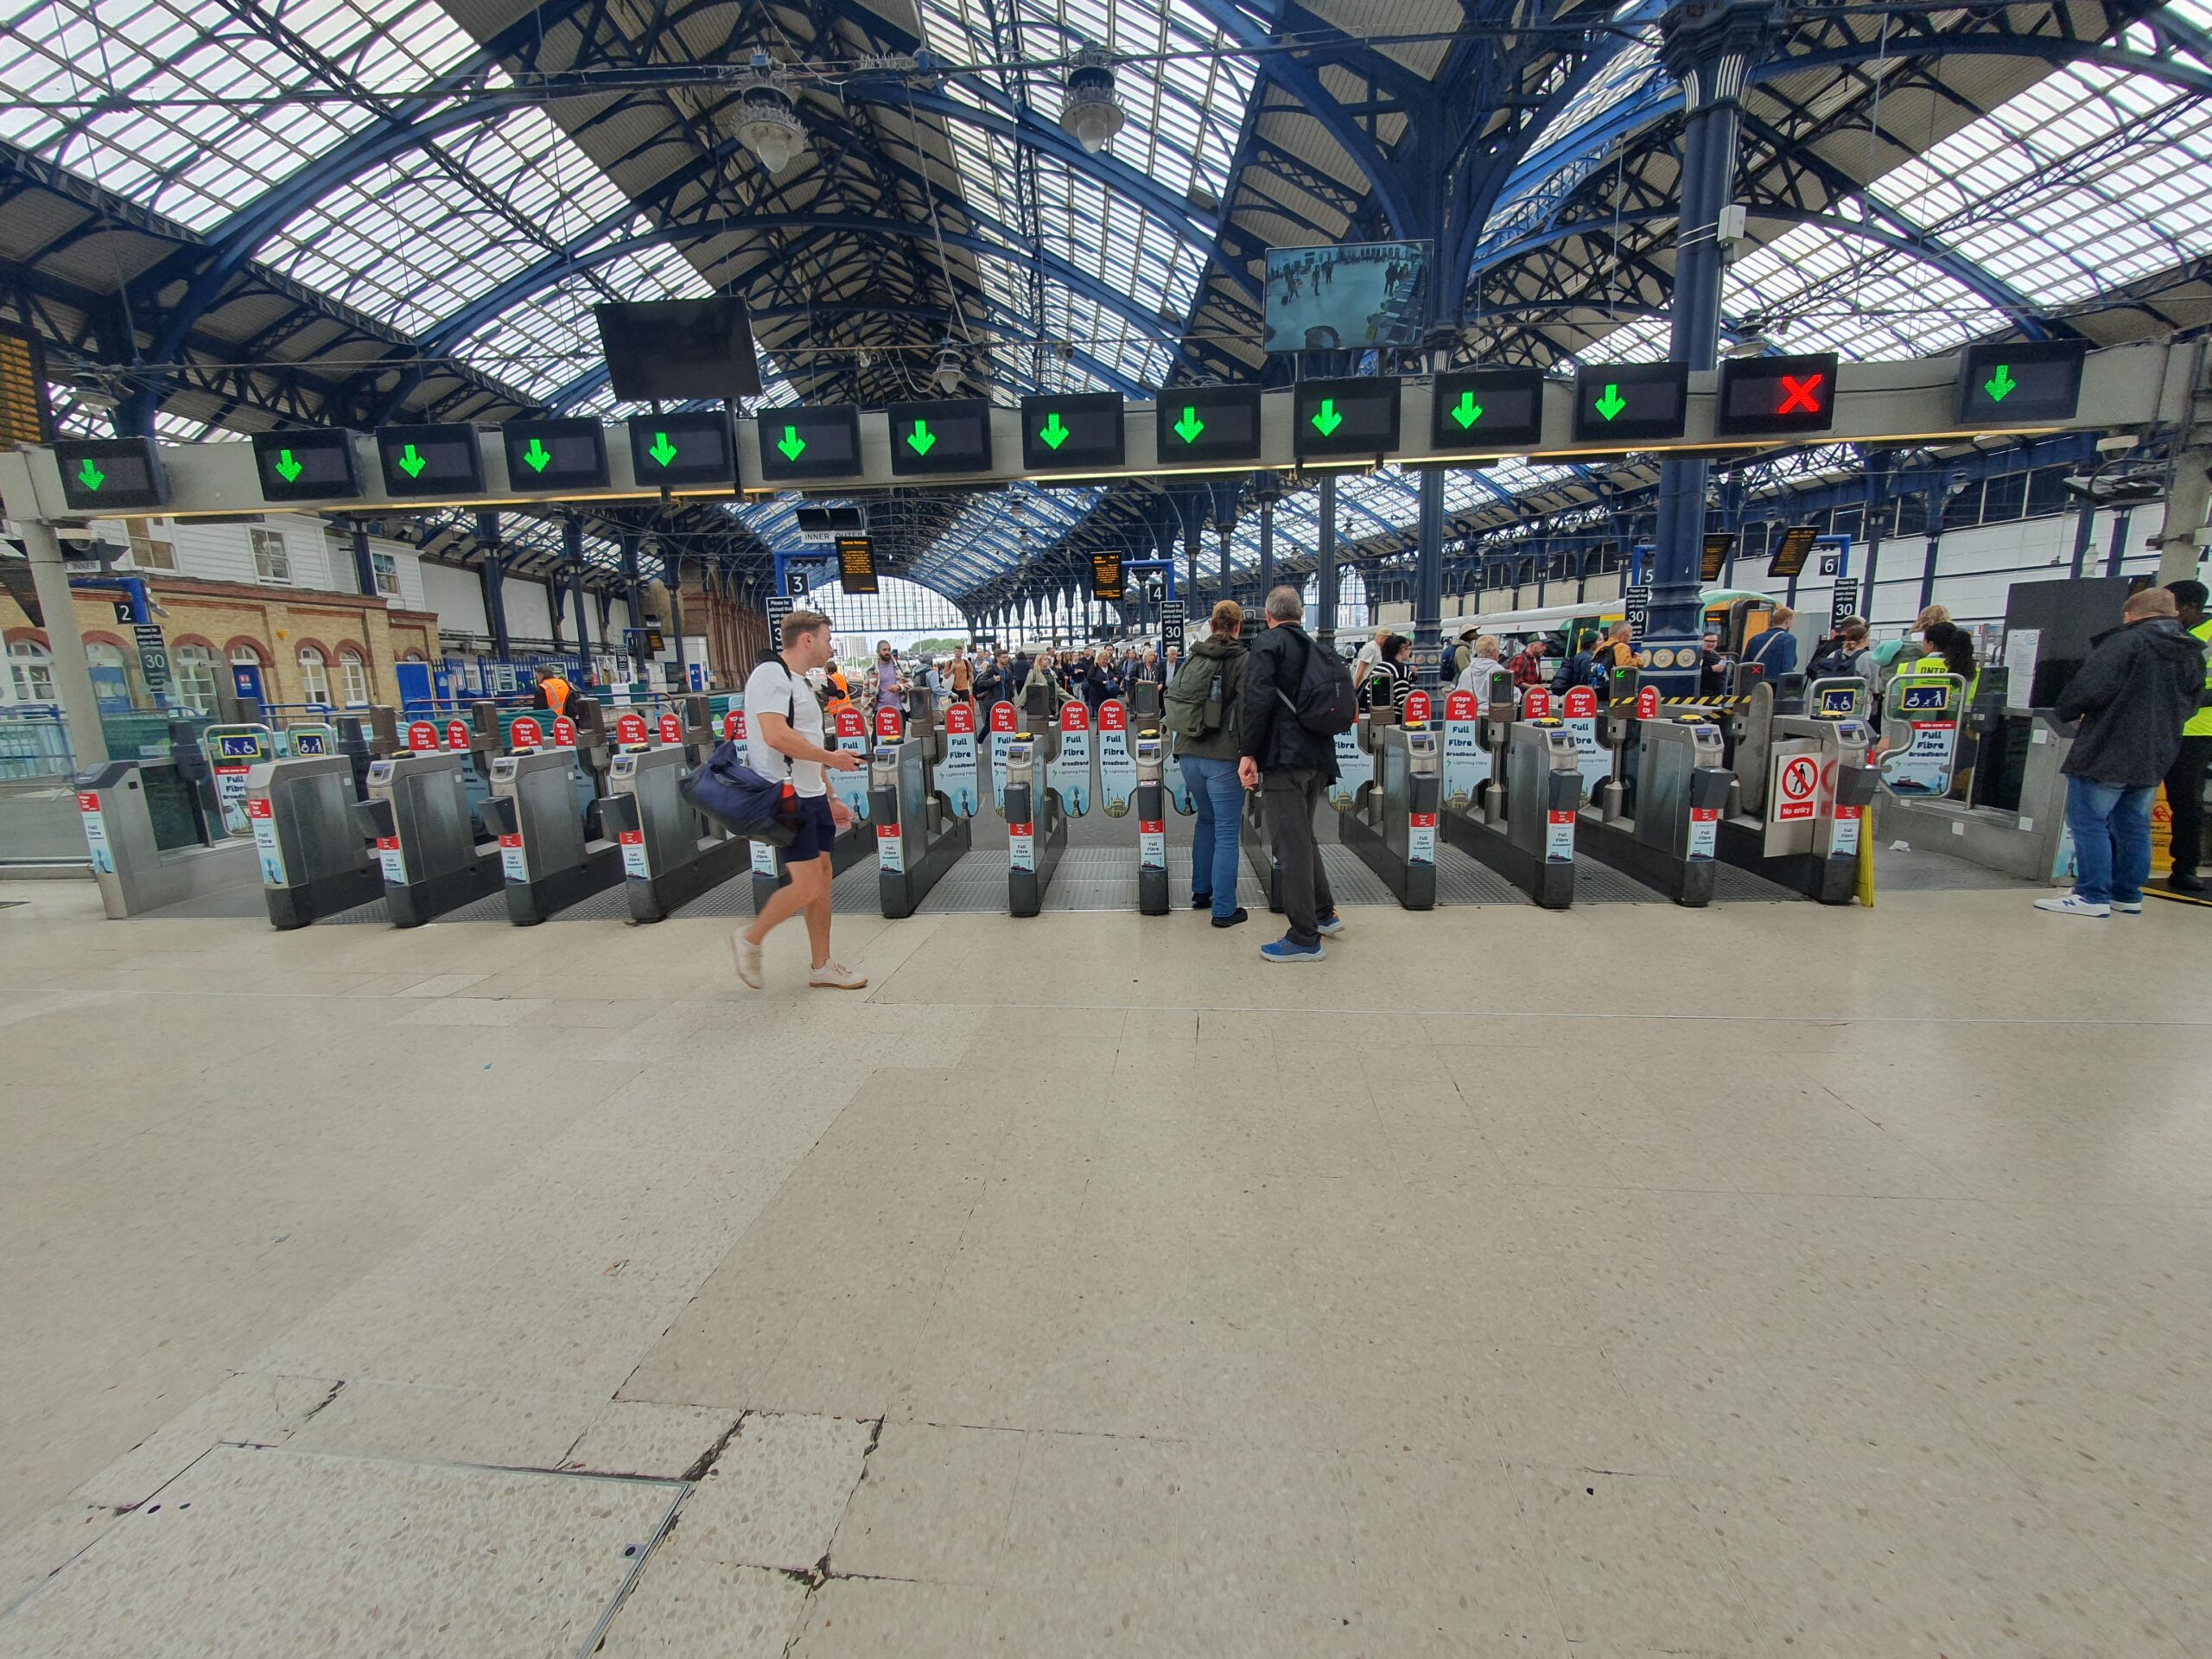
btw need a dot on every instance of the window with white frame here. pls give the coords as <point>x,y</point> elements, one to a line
<point>148,550</point>
<point>194,668</point>
<point>355,674</point>
<point>30,672</point>
<point>270,562</point>
<point>387,570</point>
<point>314,677</point>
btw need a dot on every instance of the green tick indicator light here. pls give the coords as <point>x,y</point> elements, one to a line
<point>287,468</point>
<point>921,440</point>
<point>1466,411</point>
<point>662,451</point>
<point>537,457</point>
<point>1612,403</point>
<point>1189,426</point>
<point>410,463</point>
<point>90,475</point>
<point>1054,432</point>
<point>791,444</point>
<point>1326,419</point>
<point>2000,384</point>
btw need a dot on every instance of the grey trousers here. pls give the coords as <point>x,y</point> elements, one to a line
<point>1288,797</point>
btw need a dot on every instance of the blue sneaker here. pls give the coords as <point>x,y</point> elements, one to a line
<point>1283,950</point>
<point>1329,925</point>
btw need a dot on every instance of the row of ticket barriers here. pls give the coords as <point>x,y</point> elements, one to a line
<point>433,815</point>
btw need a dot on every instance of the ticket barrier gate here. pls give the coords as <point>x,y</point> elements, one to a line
<point>1036,822</point>
<point>1392,825</point>
<point>315,859</point>
<point>2014,817</point>
<point>670,854</point>
<point>1657,817</point>
<point>1802,787</point>
<point>545,858</point>
<point>1259,852</point>
<point>1152,822</point>
<point>1521,821</point>
<point>417,815</point>
<point>915,832</point>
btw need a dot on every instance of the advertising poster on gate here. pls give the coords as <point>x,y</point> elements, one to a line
<point>890,727</point>
<point>629,732</point>
<point>851,736</point>
<point>1117,766</point>
<point>525,734</point>
<point>671,728</point>
<point>457,736</point>
<point>96,840</point>
<point>1924,765</point>
<point>734,726</point>
<point>564,732</point>
<point>1070,774</point>
<point>1466,763</point>
<point>264,841</point>
<point>1354,767</point>
<point>1002,724</point>
<point>1592,758</point>
<point>1418,708</point>
<point>956,774</point>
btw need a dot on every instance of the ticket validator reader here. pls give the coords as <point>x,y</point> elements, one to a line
<point>1152,822</point>
<point>1802,788</point>
<point>1036,820</point>
<point>1392,823</point>
<point>2014,816</point>
<point>416,815</point>
<point>1658,816</point>
<point>1523,826</point>
<point>916,836</point>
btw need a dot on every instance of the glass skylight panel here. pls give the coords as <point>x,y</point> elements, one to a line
<point>411,242</point>
<point>176,152</point>
<point>1831,292</point>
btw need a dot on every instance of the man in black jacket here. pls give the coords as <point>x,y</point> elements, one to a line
<point>2133,696</point>
<point>1290,766</point>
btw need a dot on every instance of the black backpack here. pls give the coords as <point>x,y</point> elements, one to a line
<point>1325,705</point>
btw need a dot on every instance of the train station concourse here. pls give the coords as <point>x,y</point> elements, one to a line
<point>1046,828</point>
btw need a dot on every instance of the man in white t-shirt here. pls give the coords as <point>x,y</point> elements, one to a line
<point>784,737</point>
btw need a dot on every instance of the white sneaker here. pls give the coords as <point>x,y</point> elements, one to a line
<point>2120,907</point>
<point>2073,905</point>
<point>748,960</point>
<point>836,976</point>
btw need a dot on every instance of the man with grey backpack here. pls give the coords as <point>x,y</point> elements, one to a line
<point>1200,711</point>
<point>1297,699</point>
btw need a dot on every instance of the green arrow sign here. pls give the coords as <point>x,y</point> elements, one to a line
<point>1189,426</point>
<point>2000,384</point>
<point>537,457</point>
<point>662,451</point>
<point>91,476</point>
<point>791,444</point>
<point>1466,411</point>
<point>1326,419</point>
<point>410,463</point>
<point>287,468</point>
<point>1054,434</point>
<point>1612,403</point>
<point>921,440</point>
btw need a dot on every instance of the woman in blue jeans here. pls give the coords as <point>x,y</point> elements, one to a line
<point>1201,711</point>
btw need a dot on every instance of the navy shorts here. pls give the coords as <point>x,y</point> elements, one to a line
<point>816,830</point>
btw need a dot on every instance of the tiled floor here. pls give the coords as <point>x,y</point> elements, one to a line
<point>1759,1281</point>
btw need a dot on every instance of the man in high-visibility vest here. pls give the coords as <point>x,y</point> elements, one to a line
<point>553,692</point>
<point>2185,778</point>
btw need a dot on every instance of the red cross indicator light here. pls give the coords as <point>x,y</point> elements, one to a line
<point>1775,397</point>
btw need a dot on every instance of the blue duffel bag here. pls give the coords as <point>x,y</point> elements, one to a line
<point>738,799</point>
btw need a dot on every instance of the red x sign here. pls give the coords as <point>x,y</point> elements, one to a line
<point>1800,394</point>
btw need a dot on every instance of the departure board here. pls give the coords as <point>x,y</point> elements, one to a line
<point>1631,403</point>
<point>1350,416</point>
<point>1763,396</point>
<point>1715,555</point>
<point>2020,383</point>
<point>103,472</point>
<point>1198,425</point>
<point>856,564</point>
<point>1106,575</point>
<point>1072,430</point>
<point>799,442</point>
<point>691,451</point>
<point>430,460</point>
<point>1487,409</point>
<point>1794,548</point>
<point>315,463</point>
<point>945,436</point>
<point>26,406</point>
<point>555,455</point>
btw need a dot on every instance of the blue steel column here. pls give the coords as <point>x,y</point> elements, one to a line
<point>364,567</point>
<point>572,554</point>
<point>1709,48</point>
<point>495,583</point>
<point>1267,545</point>
<point>630,600</point>
<point>1325,562</point>
<point>671,566</point>
<point>1428,572</point>
<point>1194,521</point>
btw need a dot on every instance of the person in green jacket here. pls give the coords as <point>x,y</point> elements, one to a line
<point>1202,713</point>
